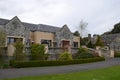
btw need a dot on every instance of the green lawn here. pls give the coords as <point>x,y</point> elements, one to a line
<point>111,73</point>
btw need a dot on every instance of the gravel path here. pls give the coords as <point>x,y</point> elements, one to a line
<point>21,72</point>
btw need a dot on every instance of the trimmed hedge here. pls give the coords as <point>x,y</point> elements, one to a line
<point>117,55</point>
<point>21,64</point>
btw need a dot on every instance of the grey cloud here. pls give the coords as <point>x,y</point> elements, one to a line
<point>101,15</point>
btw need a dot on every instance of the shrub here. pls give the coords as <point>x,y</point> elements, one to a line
<point>65,56</point>
<point>20,64</point>
<point>18,54</point>
<point>117,54</point>
<point>99,42</point>
<point>5,66</point>
<point>83,53</point>
<point>37,52</point>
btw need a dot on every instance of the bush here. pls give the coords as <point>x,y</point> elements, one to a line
<point>5,66</point>
<point>20,64</point>
<point>83,53</point>
<point>65,56</point>
<point>37,52</point>
<point>19,55</point>
<point>117,54</point>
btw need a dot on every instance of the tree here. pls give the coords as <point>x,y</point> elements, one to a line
<point>116,28</point>
<point>90,45</point>
<point>99,42</point>
<point>82,28</point>
<point>2,42</point>
<point>18,54</point>
<point>76,33</point>
<point>65,56</point>
<point>37,52</point>
<point>2,37</point>
<point>84,41</point>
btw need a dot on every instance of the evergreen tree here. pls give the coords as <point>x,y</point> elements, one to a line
<point>76,33</point>
<point>84,41</point>
<point>99,42</point>
<point>90,45</point>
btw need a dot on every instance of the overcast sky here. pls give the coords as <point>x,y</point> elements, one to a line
<point>100,15</point>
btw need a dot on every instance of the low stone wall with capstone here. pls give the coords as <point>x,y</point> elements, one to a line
<point>55,52</point>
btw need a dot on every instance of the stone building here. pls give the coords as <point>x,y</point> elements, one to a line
<point>54,37</point>
<point>112,41</point>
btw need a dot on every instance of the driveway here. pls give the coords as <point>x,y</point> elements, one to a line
<point>21,72</point>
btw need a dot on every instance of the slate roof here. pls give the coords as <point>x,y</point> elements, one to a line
<point>110,38</point>
<point>34,27</point>
<point>31,27</point>
<point>3,21</point>
<point>48,28</point>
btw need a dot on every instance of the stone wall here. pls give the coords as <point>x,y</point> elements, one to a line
<point>61,50</point>
<point>55,52</point>
<point>63,34</point>
<point>112,41</point>
<point>110,38</point>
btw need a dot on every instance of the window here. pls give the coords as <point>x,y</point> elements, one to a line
<point>11,40</point>
<point>75,44</point>
<point>48,42</point>
<point>54,44</point>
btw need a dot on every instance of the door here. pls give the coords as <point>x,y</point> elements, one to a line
<point>65,43</point>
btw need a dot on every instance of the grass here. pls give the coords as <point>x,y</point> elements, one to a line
<point>111,73</point>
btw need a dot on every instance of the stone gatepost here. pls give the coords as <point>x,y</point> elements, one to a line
<point>11,50</point>
<point>98,51</point>
<point>112,53</point>
<point>46,49</point>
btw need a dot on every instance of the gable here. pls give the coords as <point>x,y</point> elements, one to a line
<point>65,33</point>
<point>65,29</point>
<point>14,27</point>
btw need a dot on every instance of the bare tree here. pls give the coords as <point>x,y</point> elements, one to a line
<point>82,28</point>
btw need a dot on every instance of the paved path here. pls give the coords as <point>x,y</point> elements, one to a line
<point>21,72</point>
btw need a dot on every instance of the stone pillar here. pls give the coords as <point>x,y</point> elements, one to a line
<point>11,50</point>
<point>69,49</point>
<point>112,53</point>
<point>98,51</point>
<point>97,47</point>
<point>46,49</point>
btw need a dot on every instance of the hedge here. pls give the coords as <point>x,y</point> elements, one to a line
<point>21,64</point>
<point>117,55</point>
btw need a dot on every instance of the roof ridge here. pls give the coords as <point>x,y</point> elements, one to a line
<point>35,27</point>
<point>49,25</point>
